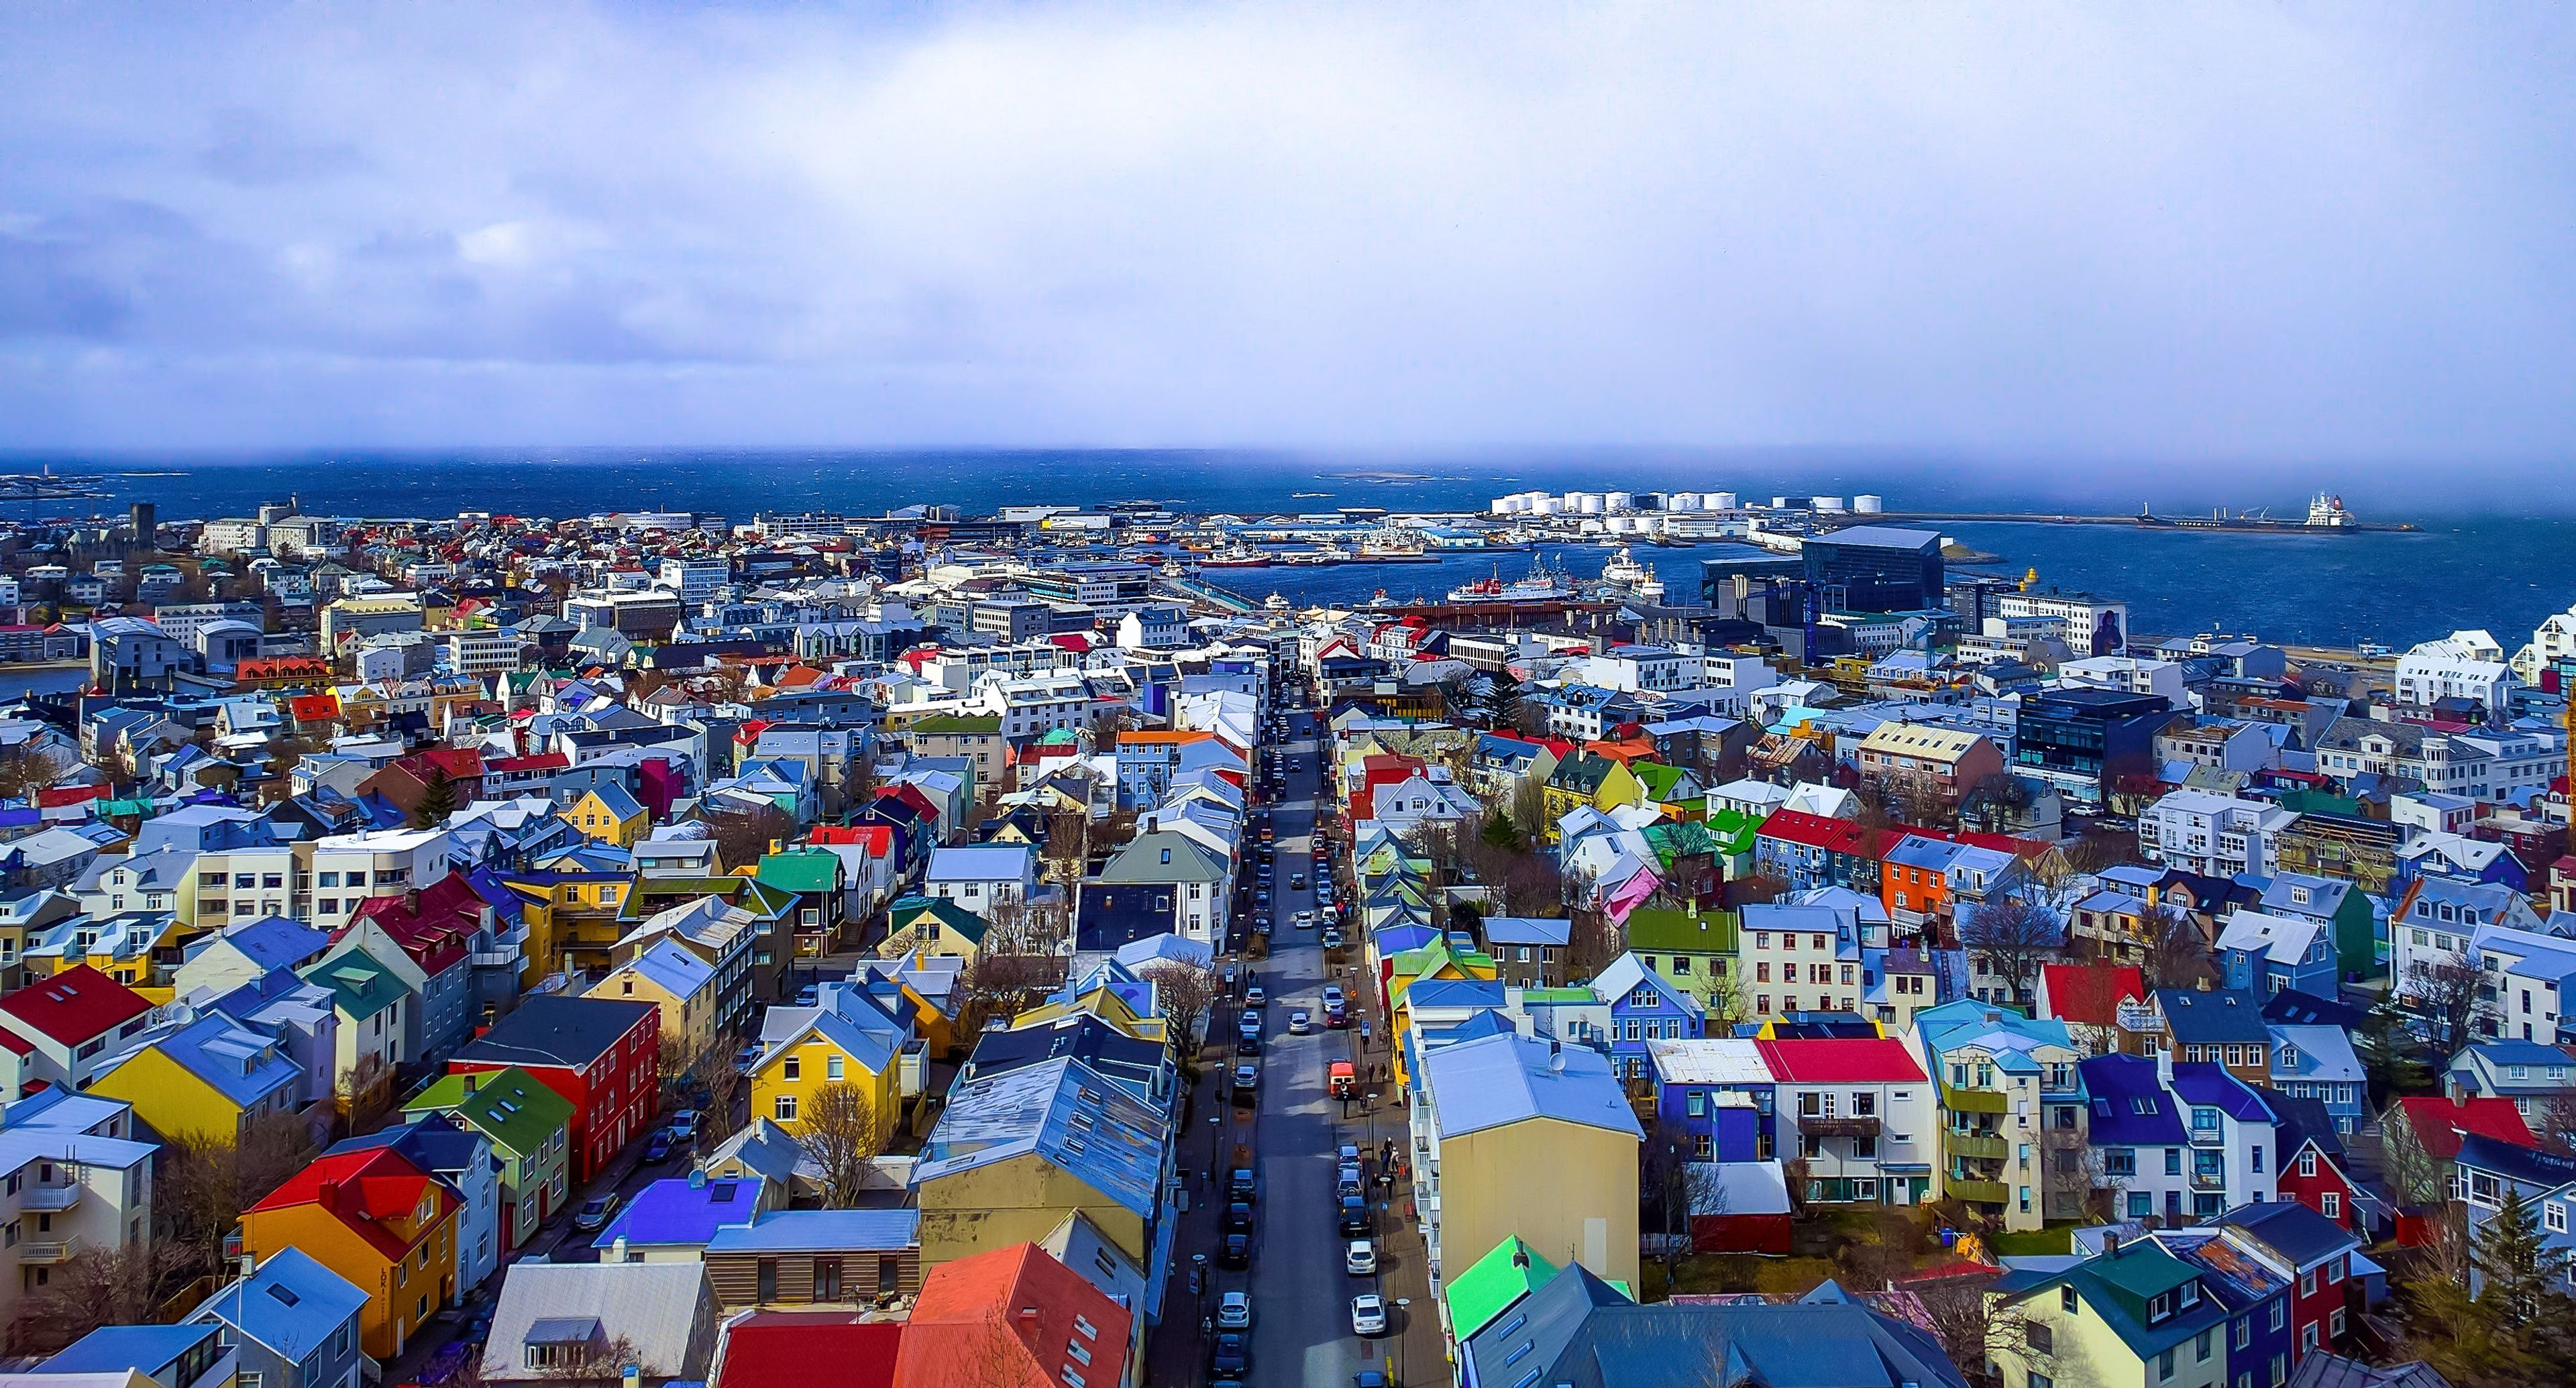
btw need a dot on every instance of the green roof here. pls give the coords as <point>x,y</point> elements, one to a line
<point>1658,779</point>
<point>959,723</point>
<point>908,913</point>
<point>1662,928</point>
<point>1502,1277</point>
<point>2143,1269</point>
<point>1576,995</point>
<point>359,985</point>
<point>802,870</point>
<point>510,1106</point>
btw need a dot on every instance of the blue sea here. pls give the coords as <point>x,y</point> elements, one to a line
<point>2502,559</point>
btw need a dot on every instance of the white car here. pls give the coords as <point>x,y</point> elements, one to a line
<point>1234,1311</point>
<point>1368,1314</point>
<point>1298,1023</point>
<point>1360,1259</point>
<point>1305,920</point>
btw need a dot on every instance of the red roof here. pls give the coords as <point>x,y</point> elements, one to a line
<point>64,797</point>
<point>1072,641</point>
<point>911,795</point>
<point>2089,993</point>
<point>1834,835</point>
<point>77,1005</point>
<point>460,763</point>
<point>432,925</point>
<point>2440,1123</point>
<point>370,1190</point>
<point>514,766</point>
<point>878,839</point>
<point>314,708</point>
<point>829,1349</point>
<point>1841,1060</point>
<point>1033,1302</point>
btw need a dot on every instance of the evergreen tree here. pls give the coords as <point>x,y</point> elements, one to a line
<point>1500,832</point>
<point>437,801</point>
<point>2517,1274</point>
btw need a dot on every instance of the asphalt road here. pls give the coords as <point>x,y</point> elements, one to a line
<point>1301,1294</point>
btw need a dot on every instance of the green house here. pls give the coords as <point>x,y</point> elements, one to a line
<point>527,1124</point>
<point>1692,950</point>
<point>1479,1296</point>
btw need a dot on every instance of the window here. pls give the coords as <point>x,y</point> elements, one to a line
<point>832,1071</point>
<point>2244,1331</point>
<point>768,1285</point>
<point>2308,1282</point>
<point>2164,1365</point>
<point>2308,1338</point>
<point>2066,1298</point>
<point>2041,1338</point>
<point>2280,1314</point>
<point>786,1108</point>
<point>2307,1163</point>
<point>2280,1369</point>
<point>2331,1204</point>
<point>791,1068</point>
<point>2200,1346</point>
<point>2554,1215</point>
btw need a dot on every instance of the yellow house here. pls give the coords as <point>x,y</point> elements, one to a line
<point>669,974</point>
<point>932,925</point>
<point>978,1190</point>
<point>608,813</point>
<point>2162,1328</point>
<point>572,919</point>
<point>210,1079</point>
<point>1100,1000</point>
<point>1585,778</point>
<point>1520,1137</point>
<point>851,1038</point>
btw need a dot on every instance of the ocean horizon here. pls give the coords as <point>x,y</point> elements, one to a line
<point>2500,565</point>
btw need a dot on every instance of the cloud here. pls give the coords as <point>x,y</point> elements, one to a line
<point>2190,232</point>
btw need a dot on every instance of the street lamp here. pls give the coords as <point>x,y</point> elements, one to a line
<point>1401,1303</point>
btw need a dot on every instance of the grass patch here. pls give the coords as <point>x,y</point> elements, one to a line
<point>2023,1243</point>
<point>1745,1272</point>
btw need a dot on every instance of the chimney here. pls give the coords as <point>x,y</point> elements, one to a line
<point>617,1250</point>
<point>1520,1254</point>
<point>411,902</point>
<point>328,1194</point>
<point>2164,1064</point>
<point>698,1179</point>
<point>2111,1245</point>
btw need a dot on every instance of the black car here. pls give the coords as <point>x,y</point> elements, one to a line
<point>1355,1216</point>
<point>1237,1251</point>
<point>1241,1185</point>
<point>657,1149</point>
<point>1231,1353</point>
<point>1238,1218</point>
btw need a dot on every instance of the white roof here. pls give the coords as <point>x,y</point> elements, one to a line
<point>2284,939</point>
<point>1738,1188</point>
<point>1709,1060</point>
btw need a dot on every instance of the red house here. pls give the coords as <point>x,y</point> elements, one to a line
<point>2313,1172</point>
<point>603,1054</point>
<point>2319,1254</point>
<point>1740,1207</point>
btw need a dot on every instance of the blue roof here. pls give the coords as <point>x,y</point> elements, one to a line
<point>2519,1053</point>
<point>290,1304</point>
<point>1059,1110</point>
<point>2527,1165</point>
<point>117,1348</point>
<point>2209,1085</point>
<point>274,942</point>
<point>1526,930</point>
<point>2224,1015</point>
<point>2299,1234</point>
<point>799,1230</point>
<point>680,1210</point>
<point>1498,1080</point>
<point>242,1065</point>
<point>1453,992</point>
<point>2130,1108</point>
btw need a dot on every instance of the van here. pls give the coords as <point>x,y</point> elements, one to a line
<point>1345,1079</point>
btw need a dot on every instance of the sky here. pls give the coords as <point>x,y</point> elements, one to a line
<point>2188,234</point>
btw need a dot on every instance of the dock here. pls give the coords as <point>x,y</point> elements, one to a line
<point>2242,525</point>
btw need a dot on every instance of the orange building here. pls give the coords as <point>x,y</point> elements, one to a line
<point>1013,1318</point>
<point>371,1216</point>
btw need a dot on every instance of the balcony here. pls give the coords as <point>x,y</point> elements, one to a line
<point>1974,1100</point>
<point>1813,1125</point>
<point>2208,1180</point>
<point>1976,1146</point>
<point>2211,1138</point>
<point>51,1198</point>
<point>49,1251</point>
<point>1976,1192</point>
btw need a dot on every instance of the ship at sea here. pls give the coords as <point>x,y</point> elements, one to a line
<point>1542,584</point>
<point>2326,515</point>
<point>1624,572</point>
<point>1238,556</point>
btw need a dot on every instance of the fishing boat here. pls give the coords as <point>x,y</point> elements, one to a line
<point>1393,544</point>
<point>1239,556</point>
<point>1542,584</point>
<point>1624,571</point>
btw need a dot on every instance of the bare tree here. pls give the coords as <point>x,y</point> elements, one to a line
<point>1996,803</point>
<point>2011,938</point>
<point>743,836</point>
<point>367,1093</point>
<point>841,1128</point>
<point>121,1284</point>
<point>2553,1123</point>
<point>2172,953</point>
<point>2100,849</point>
<point>26,770</point>
<point>1187,993</point>
<point>601,1363</point>
<point>1529,807</point>
<point>2447,996</point>
<point>204,1185</point>
<point>2412,1174</point>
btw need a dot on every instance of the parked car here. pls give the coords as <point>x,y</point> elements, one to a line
<point>1238,1218</point>
<point>1246,1078</point>
<point>1305,920</point>
<point>1368,1314</point>
<point>1354,1220</point>
<point>686,1124</point>
<point>657,1148</point>
<point>1234,1311</point>
<point>596,1212</point>
<point>1231,1353</point>
<point>1241,1184</point>
<point>1236,1251</point>
<point>809,995</point>
<point>1332,937</point>
<point>1360,1258</point>
<point>1256,996</point>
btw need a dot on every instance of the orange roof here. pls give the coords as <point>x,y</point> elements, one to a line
<point>1041,1306</point>
<point>313,708</point>
<point>1157,738</point>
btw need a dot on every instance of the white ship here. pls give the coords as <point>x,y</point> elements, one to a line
<point>2327,512</point>
<point>1624,571</point>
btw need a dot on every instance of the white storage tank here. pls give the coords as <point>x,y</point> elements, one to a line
<point>1868,504</point>
<point>1618,501</point>
<point>1584,503</point>
<point>1830,504</point>
<point>1721,501</point>
<point>1681,501</point>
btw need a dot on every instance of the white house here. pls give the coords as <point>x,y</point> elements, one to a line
<point>2214,835</point>
<point>982,876</point>
<point>2463,665</point>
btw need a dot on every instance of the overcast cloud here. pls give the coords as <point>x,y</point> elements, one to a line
<point>2258,230</point>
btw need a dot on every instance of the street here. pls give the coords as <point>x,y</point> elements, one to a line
<point>1301,1295</point>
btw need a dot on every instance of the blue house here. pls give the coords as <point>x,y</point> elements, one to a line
<point>292,1321</point>
<point>673,1219</point>
<point>1643,1007</point>
<point>1718,1091</point>
<point>2263,954</point>
<point>2255,1297</point>
<point>2137,1127</point>
<point>2318,1062</point>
